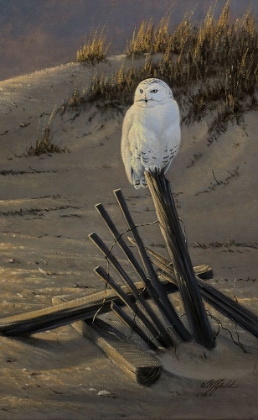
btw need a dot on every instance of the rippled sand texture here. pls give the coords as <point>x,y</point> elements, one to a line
<point>46,213</point>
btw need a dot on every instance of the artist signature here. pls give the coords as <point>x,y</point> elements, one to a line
<point>213,385</point>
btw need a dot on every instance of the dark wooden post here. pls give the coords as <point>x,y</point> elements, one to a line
<point>171,230</point>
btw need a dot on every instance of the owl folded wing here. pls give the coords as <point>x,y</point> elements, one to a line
<point>125,143</point>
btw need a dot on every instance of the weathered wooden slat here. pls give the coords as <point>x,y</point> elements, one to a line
<point>138,365</point>
<point>203,270</point>
<point>135,363</point>
<point>155,317</point>
<point>200,270</point>
<point>131,323</point>
<point>155,288</point>
<point>222,303</point>
<point>141,310</point>
<point>65,313</point>
<point>171,230</point>
<point>129,303</point>
<point>85,307</point>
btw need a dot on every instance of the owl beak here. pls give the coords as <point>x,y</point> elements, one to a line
<point>147,97</point>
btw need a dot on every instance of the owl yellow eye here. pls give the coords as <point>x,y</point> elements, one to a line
<point>154,90</point>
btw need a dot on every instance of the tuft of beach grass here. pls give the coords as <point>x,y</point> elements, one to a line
<point>95,47</point>
<point>44,143</point>
<point>211,67</point>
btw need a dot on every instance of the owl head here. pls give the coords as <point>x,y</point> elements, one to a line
<point>151,92</point>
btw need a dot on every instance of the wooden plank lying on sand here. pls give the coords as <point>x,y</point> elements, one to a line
<point>84,307</point>
<point>140,366</point>
<point>64,313</point>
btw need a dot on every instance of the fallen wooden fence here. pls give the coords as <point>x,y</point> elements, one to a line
<point>159,322</point>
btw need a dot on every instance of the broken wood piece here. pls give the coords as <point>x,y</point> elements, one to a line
<point>130,304</point>
<point>174,238</point>
<point>158,329</point>
<point>157,320</point>
<point>131,323</point>
<point>155,288</point>
<point>222,303</point>
<point>138,365</point>
<point>203,270</point>
<point>65,313</point>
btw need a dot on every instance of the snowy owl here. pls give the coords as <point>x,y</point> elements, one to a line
<point>151,131</point>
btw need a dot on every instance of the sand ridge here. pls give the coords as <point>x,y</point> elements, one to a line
<point>46,213</point>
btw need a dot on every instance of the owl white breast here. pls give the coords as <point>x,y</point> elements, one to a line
<point>151,131</point>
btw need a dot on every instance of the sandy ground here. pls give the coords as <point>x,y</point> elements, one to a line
<point>46,213</point>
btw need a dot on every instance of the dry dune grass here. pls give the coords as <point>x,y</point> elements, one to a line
<point>44,143</point>
<point>142,39</point>
<point>150,39</point>
<point>95,47</point>
<point>211,67</point>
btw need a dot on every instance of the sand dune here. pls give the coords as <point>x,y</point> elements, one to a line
<point>46,213</point>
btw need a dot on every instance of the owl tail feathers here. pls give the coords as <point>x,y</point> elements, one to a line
<point>138,180</point>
